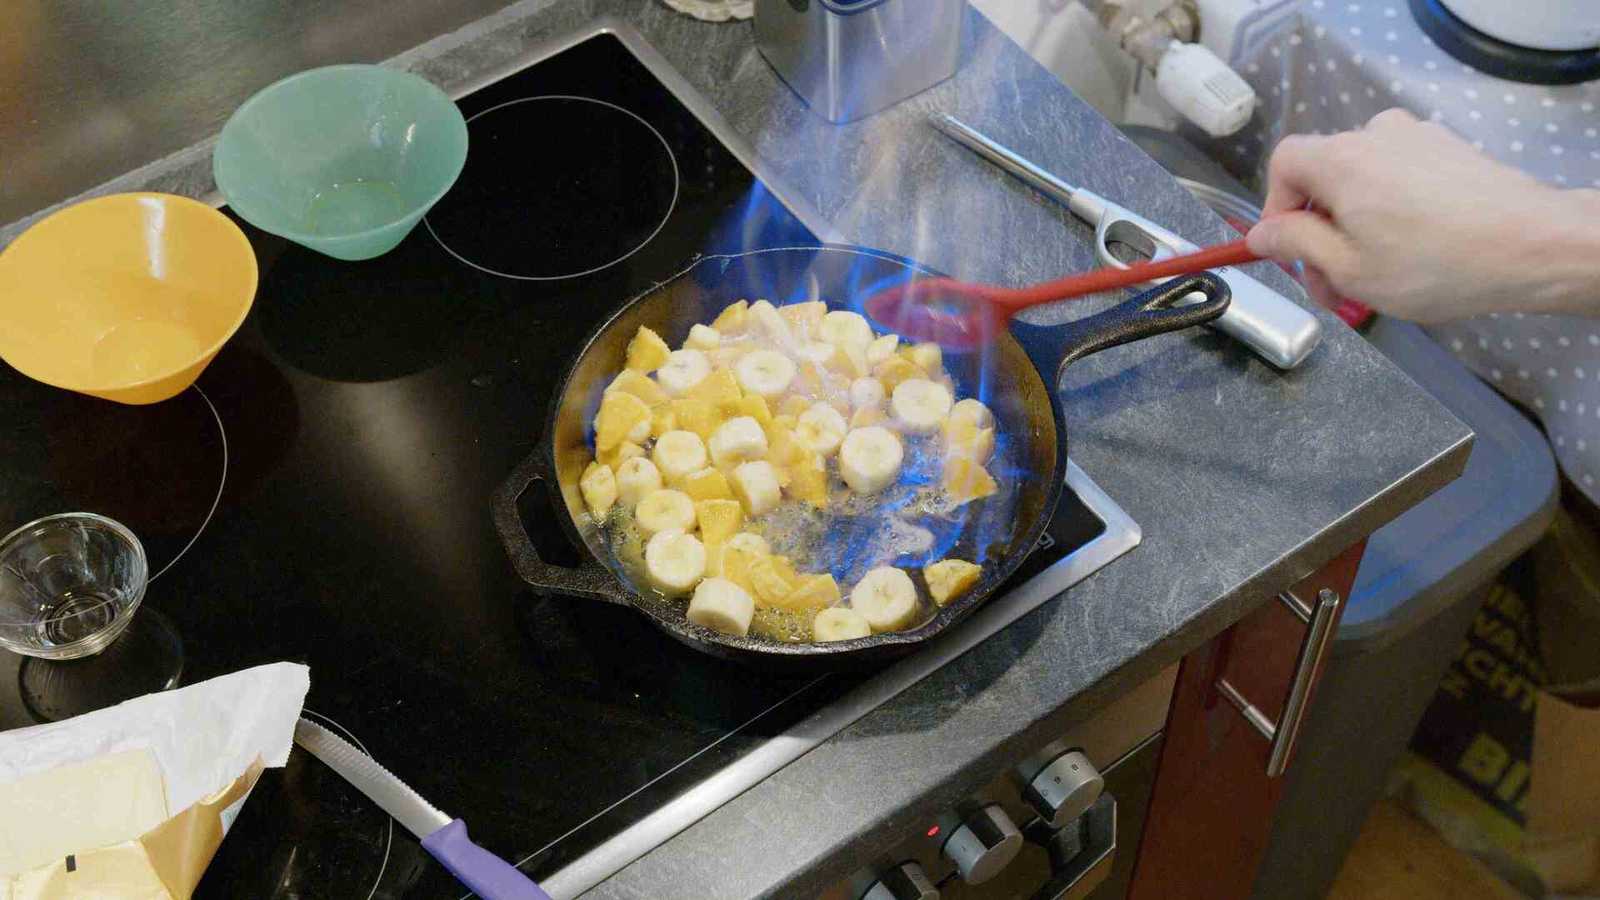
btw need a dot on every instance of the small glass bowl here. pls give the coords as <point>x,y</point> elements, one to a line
<point>69,585</point>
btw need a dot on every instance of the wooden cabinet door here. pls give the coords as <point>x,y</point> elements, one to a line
<point>1212,808</point>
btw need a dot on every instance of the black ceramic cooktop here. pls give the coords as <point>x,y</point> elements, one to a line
<point>364,415</point>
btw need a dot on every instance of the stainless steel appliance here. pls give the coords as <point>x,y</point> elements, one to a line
<point>1061,823</point>
<point>850,58</point>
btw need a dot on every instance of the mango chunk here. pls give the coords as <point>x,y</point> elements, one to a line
<point>707,484</point>
<point>966,480</point>
<point>948,579</point>
<point>622,417</point>
<point>634,382</point>
<point>647,352</point>
<point>718,519</point>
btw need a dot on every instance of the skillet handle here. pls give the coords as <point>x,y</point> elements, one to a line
<point>589,580</point>
<point>1053,347</point>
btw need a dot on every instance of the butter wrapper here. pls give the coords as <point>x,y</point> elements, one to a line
<point>211,742</point>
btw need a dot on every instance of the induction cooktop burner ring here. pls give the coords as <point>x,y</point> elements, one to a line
<point>677,188</point>
<point>388,843</point>
<point>222,484</point>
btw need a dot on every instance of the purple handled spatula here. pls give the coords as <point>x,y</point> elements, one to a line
<point>489,876</point>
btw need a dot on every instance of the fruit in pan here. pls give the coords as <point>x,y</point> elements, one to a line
<point>886,598</point>
<point>870,459</point>
<point>721,605</point>
<point>948,579</point>
<point>682,371</point>
<point>664,510</point>
<point>599,488</point>
<point>839,623</point>
<point>920,405</point>
<point>674,561</point>
<point>647,352</point>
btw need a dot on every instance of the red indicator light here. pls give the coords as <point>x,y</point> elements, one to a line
<point>934,831</point>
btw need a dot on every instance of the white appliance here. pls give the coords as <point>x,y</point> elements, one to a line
<point>1540,24</point>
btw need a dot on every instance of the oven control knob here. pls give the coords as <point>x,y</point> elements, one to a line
<point>907,882</point>
<point>1064,789</point>
<point>983,845</point>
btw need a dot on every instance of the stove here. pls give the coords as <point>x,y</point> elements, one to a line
<point>322,495</point>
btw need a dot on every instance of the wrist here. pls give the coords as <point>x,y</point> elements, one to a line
<point>1563,260</point>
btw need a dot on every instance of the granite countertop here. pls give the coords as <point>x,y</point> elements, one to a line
<point>1243,478</point>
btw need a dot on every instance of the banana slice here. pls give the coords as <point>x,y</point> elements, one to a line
<point>721,605</point>
<point>674,562</point>
<point>665,510</point>
<point>972,410</point>
<point>867,393</point>
<point>703,337</point>
<point>839,623</point>
<point>767,321</point>
<point>683,370</point>
<point>921,405</point>
<point>599,488</point>
<point>679,453</point>
<point>886,598</point>
<point>637,479</point>
<point>751,543</point>
<point>882,348</point>
<point>756,485</point>
<point>870,458</point>
<point>736,441</point>
<point>819,352</point>
<point>845,327</point>
<point>766,373</point>
<point>821,428</point>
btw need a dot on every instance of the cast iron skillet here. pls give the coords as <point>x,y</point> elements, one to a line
<point>1027,407</point>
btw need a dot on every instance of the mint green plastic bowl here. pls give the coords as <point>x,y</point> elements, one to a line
<point>345,160</point>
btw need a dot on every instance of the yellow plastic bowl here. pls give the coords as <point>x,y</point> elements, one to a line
<point>126,297</point>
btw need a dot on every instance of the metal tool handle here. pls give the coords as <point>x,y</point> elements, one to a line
<point>1272,325</point>
<point>1319,637</point>
<point>1276,328</point>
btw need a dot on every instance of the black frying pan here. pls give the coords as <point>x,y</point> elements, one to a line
<point>1028,408</point>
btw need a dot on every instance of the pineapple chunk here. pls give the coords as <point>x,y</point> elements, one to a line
<point>733,318</point>
<point>616,456</point>
<point>770,581</point>
<point>929,357</point>
<point>622,417</point>
<point>707,484</point>
<point>963,437</point>
<point>735,563</point>
<point>719,519</point>
<point>896,369</point>
<point>702,337</point>
<point>950,578</point>
<point>811,593</point>
<point>647,352</point>
<point>804,315</point>
<point>755,406</point>
<point>793,405</point>
<point>808,479</point>
<point>662,420</point>
<point>697,415</point>
<point>867,415</point>
<point>640,385</point>
<point>599,488</point>
<point>718,388</point>
<point>966,480</point>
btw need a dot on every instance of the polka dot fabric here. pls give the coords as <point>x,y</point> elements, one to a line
<point>1324,66</point>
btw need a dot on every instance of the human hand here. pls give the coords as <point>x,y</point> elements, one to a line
<point>1409,219</point>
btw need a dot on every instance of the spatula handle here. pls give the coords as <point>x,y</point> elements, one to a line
<point>489,876</point>
<point>1230,254</point>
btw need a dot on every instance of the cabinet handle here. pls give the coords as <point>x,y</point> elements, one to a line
<point>1319,637</point>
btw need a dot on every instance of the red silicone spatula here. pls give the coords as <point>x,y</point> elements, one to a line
<point>959,315</point>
